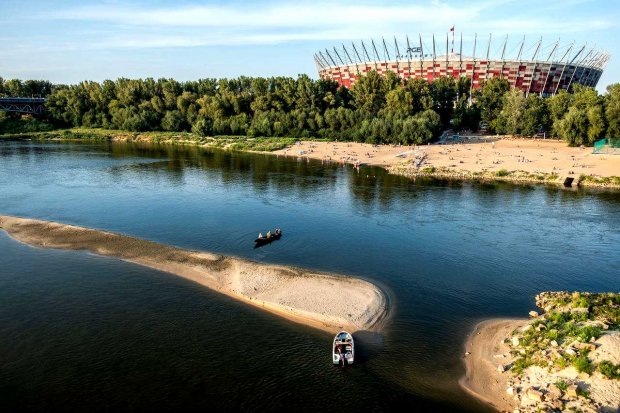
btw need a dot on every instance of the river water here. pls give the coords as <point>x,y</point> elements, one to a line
<point>84,333</point>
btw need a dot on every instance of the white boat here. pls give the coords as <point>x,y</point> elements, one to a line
<point>343,350</point>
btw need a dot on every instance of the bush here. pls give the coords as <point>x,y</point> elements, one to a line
<point>583,365</point>
<point>561,363</point>
<point>583,392</point>
<point>552,334</point>
<point>557,317</point>
<point>609,370</point>
<point>579,301</point>
<point>586,333</point>
<point>502,172</point>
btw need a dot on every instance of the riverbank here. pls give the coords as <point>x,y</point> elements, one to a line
<point>475,158</point>
<point>306,297</point>
<point>568,358</point>
<point>236,143</point>
<point>484,158</point>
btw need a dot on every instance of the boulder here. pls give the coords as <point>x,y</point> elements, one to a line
<point>554,343</point>
<point>554,392</point>
<point>570,352</point>
<point>535,395</point>
<point>510,390</point>
<point>584,346</point>
<point>515,341</point>
<point>571,391</point>
<point>533,314</point>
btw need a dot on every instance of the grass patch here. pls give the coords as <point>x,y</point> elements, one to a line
<point>521,364</point>
<point>583,393</point>
<point>604,180</point>
<point>10,126</point>
<point>262,144</point>
<point>502,173</point>
<point>609,370</point>
<point>561,384</point>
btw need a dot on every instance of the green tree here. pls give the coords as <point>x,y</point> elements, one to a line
<point>612,110</point>
<point>172,121</point>
<point>490,100</point>
<point>444,93</point>
<point>510,118</point>
<point>369,93</point>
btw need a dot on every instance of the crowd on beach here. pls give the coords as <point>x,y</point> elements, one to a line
<point>489,154</point>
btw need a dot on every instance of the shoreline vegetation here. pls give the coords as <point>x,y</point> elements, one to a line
<point>484,158</point>
<point>272,114</point>
<point>306,297</point>
<point>565,359</point>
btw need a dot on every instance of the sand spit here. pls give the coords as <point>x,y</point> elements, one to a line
<point>325,301</point>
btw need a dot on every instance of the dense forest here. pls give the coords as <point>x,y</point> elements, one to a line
<point>376,109</point>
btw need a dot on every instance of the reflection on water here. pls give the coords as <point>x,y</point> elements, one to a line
<point>94,332</point>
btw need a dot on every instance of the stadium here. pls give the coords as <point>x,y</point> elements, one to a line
<point>533,67</point>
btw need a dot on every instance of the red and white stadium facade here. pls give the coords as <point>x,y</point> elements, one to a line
<point>548,69</point>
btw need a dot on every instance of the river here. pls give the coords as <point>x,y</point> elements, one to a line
<point>85,333</point>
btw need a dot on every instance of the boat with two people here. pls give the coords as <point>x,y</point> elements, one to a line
<point>343,350</point>
<point>268,238</point>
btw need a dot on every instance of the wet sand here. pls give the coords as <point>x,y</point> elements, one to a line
<point>482,379</point>
<point>306,297</point>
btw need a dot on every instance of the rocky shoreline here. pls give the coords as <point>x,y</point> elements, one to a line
<point>565,359</point>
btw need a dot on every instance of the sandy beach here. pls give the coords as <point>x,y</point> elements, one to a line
<point>306,297</point>
<point>484,155</point>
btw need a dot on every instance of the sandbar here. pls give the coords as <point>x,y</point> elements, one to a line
<point>329,302</point>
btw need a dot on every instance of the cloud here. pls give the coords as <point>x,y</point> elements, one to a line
<point>238,24</point>
<point>275,16</point>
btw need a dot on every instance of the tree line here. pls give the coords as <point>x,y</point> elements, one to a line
<point>376,109</point>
